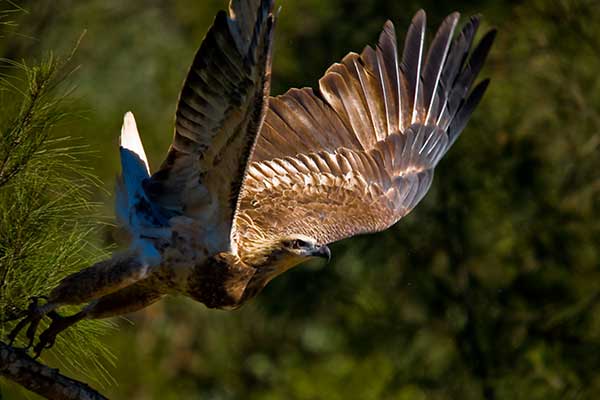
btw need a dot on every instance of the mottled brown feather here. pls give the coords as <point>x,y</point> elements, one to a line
<point>219,113</point>
<point>358,153</point>
<point>332,195</point>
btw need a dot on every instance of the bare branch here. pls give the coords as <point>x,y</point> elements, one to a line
<point>48,382</point>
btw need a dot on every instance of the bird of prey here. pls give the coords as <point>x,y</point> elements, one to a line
<point>253,185</point>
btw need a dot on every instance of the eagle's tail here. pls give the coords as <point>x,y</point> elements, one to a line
<point>134,169</point>
<point>137,214</point>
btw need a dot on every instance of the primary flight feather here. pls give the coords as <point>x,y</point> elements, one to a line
<point>252,186</point>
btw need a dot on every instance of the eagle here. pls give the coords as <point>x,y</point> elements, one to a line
<point>253,185</point>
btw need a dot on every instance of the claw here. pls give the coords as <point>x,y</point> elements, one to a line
<point>46,344</point>
<point>58,324</point>
<point>15,332</point>
<point>32,318</point>
<point>34,315</point>
<point>31,329</point>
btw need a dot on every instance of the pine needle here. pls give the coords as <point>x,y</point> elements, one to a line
<point>47,222</point>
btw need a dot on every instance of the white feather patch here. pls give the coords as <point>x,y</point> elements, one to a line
<point>130,138</point>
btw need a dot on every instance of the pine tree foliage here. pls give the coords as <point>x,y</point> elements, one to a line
<point>47,221</point>
<point>489,289</point>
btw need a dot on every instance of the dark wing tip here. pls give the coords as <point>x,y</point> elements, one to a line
<point>486,41</point>
<point>453,15</point>
<point>388,25</point>
<point>466,110</point>
<point>479,90</point>
<point>490,35</point>
<point>483,48</point>
<point>420,14</point>
<point>240,6</point>
<point>221,16</point>
<point>475,18</point>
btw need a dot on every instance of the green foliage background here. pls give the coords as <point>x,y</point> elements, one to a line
<point>489,289</point>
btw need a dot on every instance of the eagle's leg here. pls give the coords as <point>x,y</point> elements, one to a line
<point>84,286</point>
<point>127,300</point>
<point>123,301</point>
<point>99,280</point>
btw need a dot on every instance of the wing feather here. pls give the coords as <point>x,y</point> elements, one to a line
<point>331,195</point>
<point>411,63</point>
<point>357,154</point>
<point>219,114</point>
<point>387,56</point>
<point>436,57</point>
<point>466,76</point>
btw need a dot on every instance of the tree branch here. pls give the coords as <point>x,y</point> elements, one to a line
<point>48,382</point>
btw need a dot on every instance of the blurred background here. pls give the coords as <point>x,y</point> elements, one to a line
<point>490,289</point>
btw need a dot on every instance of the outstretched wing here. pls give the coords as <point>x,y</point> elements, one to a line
<point>358,154</point>
<point>220,110</point>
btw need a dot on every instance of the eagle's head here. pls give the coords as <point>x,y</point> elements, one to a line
<point>300,248</point>
<point>281,254</point>
<point>273,257</point>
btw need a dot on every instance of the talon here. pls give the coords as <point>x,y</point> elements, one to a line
<point>32,318</point>
<point>28,319</point>
<point>41,346</point>
<point>58,324</point>
<point>37,351</point>
<point>30,334</point>
<point>15,332</point>
<point>34,315</point>
<point>47,340</point>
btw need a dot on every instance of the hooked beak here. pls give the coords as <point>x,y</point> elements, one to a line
<point>323,252</point>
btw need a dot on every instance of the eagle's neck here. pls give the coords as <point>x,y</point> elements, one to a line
<point>225,281</point>
<point>220,281</point>
<point>264,274</point>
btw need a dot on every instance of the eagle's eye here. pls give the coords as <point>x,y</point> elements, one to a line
<point>297,244</point>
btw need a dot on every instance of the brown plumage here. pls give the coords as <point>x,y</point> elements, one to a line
<point>358,153</point>
<point>246,193</point>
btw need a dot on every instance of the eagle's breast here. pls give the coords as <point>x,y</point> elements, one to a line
<point>220,281</point>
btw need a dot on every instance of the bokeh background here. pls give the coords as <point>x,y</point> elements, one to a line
<point>490,289</point>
